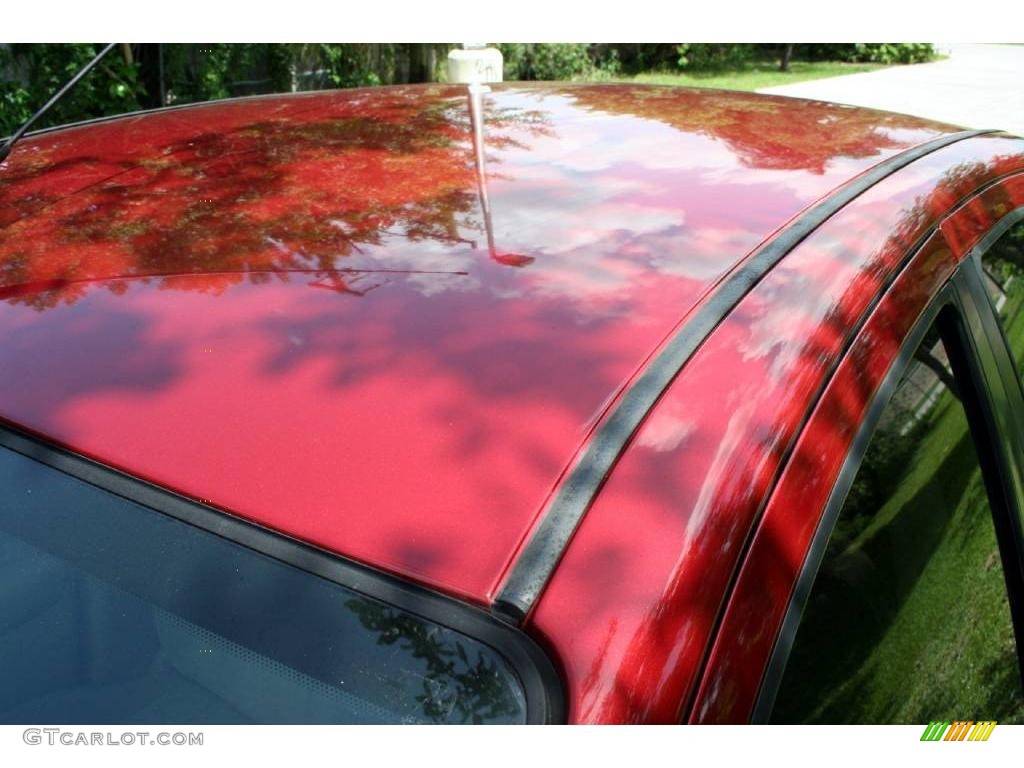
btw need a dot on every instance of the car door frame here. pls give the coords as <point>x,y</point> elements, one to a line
<point>988,403</point>
<point>748,672</point>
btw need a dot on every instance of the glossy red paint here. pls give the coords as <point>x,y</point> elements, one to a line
<point>633,607</point>
<point>758,605</point>
<point>963,228</point>
<point>288,307</point>
<point>770,570</point>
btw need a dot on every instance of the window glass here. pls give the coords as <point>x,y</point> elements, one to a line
<point>908,619</point>
<point>113,613</point>
<point>1003,265</point>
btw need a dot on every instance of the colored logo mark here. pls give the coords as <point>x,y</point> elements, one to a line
<point>960,730</point>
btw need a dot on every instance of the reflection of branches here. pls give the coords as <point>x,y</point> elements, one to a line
<point>456,688</point>
<point>1005,260</point>
<point>263,196</point>
<point>335,282</point>
<point>806,137</point>
<point>997,282</point>
<point>933,364</point>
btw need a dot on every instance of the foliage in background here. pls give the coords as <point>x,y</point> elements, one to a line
<point>559,61</point>
<point>130,79</point>
<point>702,57</point>
<point>145,75</point>
<point>879,53</point>
<point>33,72</point>
<point>754,75</point>
<point>894,53</point>
<point>706,56</point>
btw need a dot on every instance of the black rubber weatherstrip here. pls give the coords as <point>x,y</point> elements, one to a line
<point>537,561</point>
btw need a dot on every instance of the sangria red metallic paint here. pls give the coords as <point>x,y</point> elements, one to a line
<point>298,310</point>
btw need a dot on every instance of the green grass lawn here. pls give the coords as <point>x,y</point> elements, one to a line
<point>754,75</point>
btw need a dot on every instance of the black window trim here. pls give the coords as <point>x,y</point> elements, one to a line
<point>1009,373</point>
<point>1003,399</point>
<point>990,406</point>
<point>536,673</point>
<point>924,238</point>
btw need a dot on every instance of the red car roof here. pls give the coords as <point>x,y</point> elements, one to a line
<point>298,310</point>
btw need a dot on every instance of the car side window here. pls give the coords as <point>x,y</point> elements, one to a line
<point>1003,265</point>
<point>908,619</point>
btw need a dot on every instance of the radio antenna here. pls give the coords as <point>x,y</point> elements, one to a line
<point>475,66</point>
<point>5,150</point>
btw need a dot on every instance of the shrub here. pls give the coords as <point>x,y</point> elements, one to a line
<point>31,73</point>
<point>881,53</point>
<point>894,53</point>
<point>539,61</point>
<point>713,56</point>
<point>705,56</point>
<point>638,57</point>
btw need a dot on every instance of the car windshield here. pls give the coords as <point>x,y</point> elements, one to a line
<point>116,613</point>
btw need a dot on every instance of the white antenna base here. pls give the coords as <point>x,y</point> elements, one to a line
<point>475,66</point>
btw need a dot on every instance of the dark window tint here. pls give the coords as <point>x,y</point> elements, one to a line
<point>113,613</point>
<point>908,619</point>
<point>1003,264</point>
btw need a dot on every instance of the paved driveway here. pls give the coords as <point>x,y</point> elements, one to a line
<point>978,86</point>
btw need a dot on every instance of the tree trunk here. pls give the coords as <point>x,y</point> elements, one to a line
<point>419,65</point>
<point>429,62</point>
<point>787,54</point>
<point>402,54</point>
<point>150,75</point>
<point>943,374</point>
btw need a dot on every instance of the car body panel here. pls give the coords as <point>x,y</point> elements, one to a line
<point>783,536</point>
<point>772,566</point>
<point>635,602</point>
<point>298,310</point>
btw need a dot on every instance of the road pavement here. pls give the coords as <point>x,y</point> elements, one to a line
<point>977,86</point>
